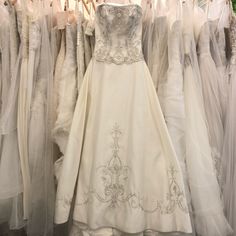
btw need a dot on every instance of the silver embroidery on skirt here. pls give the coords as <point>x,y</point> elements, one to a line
<point>114,176</point>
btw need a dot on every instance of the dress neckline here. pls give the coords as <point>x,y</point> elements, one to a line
<point>119,5</point>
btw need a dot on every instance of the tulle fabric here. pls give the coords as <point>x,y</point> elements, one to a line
<point>229,150</point>
<point>41,203</point>
<point>155,37</point>
<point>23,115</point>
<point>11,211</point>
<point>219,13</point>
<point>229,154</point>
<point>208,213</point>
<point>210,78</point>
<point>216,47</point>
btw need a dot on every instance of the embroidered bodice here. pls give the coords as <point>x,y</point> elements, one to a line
<point>118,32</point>
<point>233,39</point>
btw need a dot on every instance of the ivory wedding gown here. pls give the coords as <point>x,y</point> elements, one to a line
<point>209,218</point>
<point>229,152</point>
<point>10,173</point>
<point>119,151</point>
<point>210,78</point>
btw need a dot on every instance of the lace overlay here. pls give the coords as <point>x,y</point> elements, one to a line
<point>118,34</point>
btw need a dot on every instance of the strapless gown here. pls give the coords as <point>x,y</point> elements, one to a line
<point>119,151</point>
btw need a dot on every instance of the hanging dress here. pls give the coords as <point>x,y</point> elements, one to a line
<point>229,151</point>
<point>209,218</point>
<point>10,170</point>
<point>119,151</point>
<point>42,194</point>
<point>210,89</point>
<point>67,91</point>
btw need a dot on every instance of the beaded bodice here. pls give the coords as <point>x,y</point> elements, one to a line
<point>233,39</point>
<point>118,32</point>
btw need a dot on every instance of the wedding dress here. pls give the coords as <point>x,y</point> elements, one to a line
<point>154,38</point>
<point>210,78</point>
<point>118,137</point>
<point>209,218</point>
<point>219,11</point>
<point>23,112</point>
<point>56,95</point>
<point>171,93</point>
<point>229,152</point>
<point>10,173</point>
<point>217,48</point>
<point>67,91</point>
<point>55,35</point>
<point>41,201</point>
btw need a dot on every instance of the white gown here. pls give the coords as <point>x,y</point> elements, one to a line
<point>65,83</point>
<point>67,91</point>
<point>56,95</point>
<point>229,152</point>
<point>42,196</point>
<point>210,78</point>
<point>159,51</point>
<point>219,11</point>
<point>23,113</point>
<point>10,173</point>
<point>119,151</point>
<point>208,212</point>
<point>171,94</point>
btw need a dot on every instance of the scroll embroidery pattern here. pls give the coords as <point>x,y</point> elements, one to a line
<point>115,176</point>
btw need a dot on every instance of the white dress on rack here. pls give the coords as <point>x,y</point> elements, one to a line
<point>229,151</point>
<point>41,201</point>
<point>219,11</point>
<point>119,151</point>
<point>208,212</point>
<point>159,51</point>
<point>171,94</point>
<point>217,48</point>
<point>210,78</point>
<point>23,113</point>
<point>56,95</point>
<point>67,91</point>
<point>10,172</point>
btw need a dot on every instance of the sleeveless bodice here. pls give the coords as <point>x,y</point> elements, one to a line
<point>118,32</point>
<point>233,39</point>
